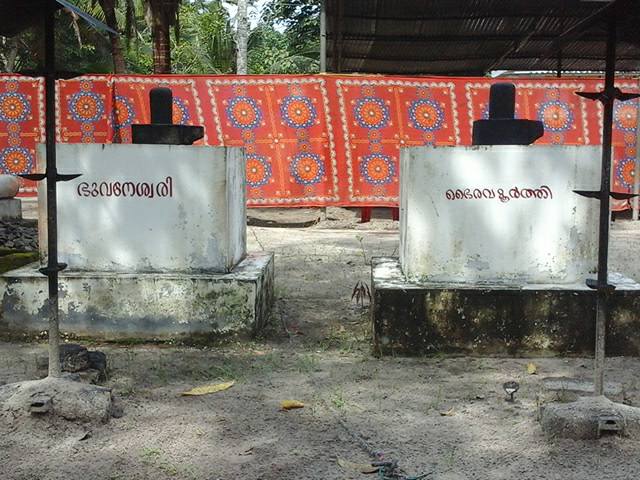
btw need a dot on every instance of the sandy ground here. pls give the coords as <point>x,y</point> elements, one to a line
<point>443,415</point>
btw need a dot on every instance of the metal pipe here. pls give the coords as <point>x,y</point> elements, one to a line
<point>605,188</point>
<point>323,36</point>
<point>51,172</point>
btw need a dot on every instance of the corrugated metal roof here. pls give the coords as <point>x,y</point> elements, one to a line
<point>472,37</point>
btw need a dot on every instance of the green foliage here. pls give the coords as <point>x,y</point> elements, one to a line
<point>79,48</point>
<point>286,40</point>
<point>301,22</point>
<point>206,40</point>
<point>270,51</point>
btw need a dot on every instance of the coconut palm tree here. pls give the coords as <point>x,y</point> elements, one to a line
<point>161,16</point>
<point>109,9</point>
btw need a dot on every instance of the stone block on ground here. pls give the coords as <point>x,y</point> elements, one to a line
<point>56,397</point>
<point>589,418</point>
<point>89,366</point>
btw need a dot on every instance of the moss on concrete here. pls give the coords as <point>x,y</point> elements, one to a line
<point>11,261</point>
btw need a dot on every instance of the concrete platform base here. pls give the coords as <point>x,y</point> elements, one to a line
<point>420,318</point>
<point>10,208</point>
<point>565,389</point>
<point>590,418</point>
<point>146,306</point>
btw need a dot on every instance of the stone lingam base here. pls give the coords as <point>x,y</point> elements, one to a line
<point>143,305</point>
<point>412,318</point>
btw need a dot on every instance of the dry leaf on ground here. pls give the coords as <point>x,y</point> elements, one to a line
<point>291,404</point>
<point>532,369</point>
<point>206,389</point>
<point>357,467</point>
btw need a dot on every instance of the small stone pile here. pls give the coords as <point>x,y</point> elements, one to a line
<point>19,234</point>
<point>82,364</point>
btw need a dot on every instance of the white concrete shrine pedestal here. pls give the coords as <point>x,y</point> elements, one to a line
<point>495,249</point>
<point>155,241</point>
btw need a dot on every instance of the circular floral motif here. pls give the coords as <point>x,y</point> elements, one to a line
<point>371,112</point>
<point>426,115</point>
<point>14,107</point>
<point>258,170</point>
<point>626,172</point>
<point>16,160</point>
<point>180,112</point>
<point>626,116</point>
<point>86,107</point>
<point>247,135</point>
<point>367,90</point>
<point>244,112</point>
<point>307,168</point>
<point>377,169</point>
<point>86,128</point>
<point>556,115</point>
<point>298,111</point>
<point>123,112</point>
<point>630,138</point>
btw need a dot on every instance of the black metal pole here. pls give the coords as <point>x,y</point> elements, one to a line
<point>603,288</point>
<point>51,175</point>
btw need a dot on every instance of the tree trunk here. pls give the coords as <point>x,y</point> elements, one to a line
<point>109,9</point>
<point>12,55</point>
<point>161,47</point>
<point>242,36</point>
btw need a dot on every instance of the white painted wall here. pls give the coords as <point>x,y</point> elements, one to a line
<point>550,239</point>
<point>197,225</point>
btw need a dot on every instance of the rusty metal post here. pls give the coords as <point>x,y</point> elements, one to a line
<point>636,172</point>
<point>51,175</point>
<point>603,289</point>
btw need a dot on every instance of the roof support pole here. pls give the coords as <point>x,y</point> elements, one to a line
<point>323,36</point>
<point>339,37</point>
<point>52,179</point>
<point>603,289</point>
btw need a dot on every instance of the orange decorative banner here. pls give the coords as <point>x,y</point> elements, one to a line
<point>311,140</point>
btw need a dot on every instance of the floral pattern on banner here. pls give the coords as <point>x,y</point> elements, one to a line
<point>625,123</point>
<point>381,116</point>
<point>285,126</point>
<point>82,106</point>
<point>554,103</point>
<point>131,103</point>
<point>21,126</point>
<point>625,138</point>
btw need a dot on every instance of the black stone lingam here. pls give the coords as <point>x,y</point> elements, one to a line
<point>502,128</point>
<point>161,130</point>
